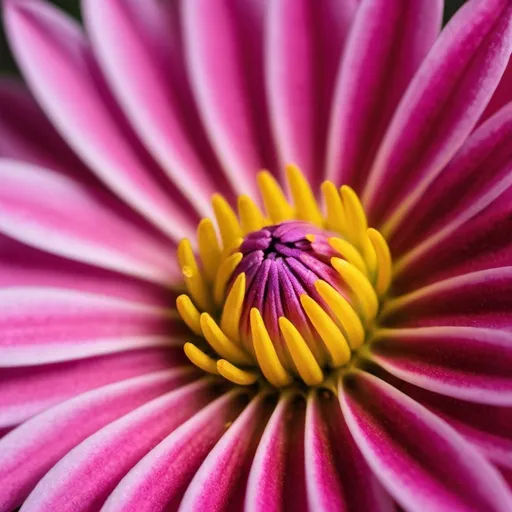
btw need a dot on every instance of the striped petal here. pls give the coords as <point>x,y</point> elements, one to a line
<point>502,95</point>
<point>421,461</point>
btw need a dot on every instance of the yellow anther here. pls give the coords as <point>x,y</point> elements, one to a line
<point>310,238</point>
<point>333,338</point>
<point>221,343</point>
<point>306,364</point>
<point>209,249</point>
<point>383,261</point>
<point>275,202</point>
<point>200,359</point>
<point>226,268</point>
<point>266,353</point>
<point>349,252</point>
<point>230,321</point>
<point>334,207</point>
<point>306,207</point>
<point>226,219</point>
<point>354,213</point>
<point>194,280</point>
<point>236,375</point>
<point>250,215</point>
<point>359,285</point>
<point>344,313</point>
<point>189,313</point>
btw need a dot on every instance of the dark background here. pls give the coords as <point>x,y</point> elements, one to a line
<point>8,66</point>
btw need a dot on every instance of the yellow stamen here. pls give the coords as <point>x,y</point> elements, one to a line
<point>226,220</point>
<point>334,206</point>
<point>359,285</point>
<point>226,268</point>
<point>332,337</point>
<point>209,250</point>
<point>236,375</point>
<point>349,253</point>
<point>231,248</point>
<point>250,215</point>
<point>384,269</point>
<point>310,238</point>
<point>194,280</point>
<point>354,212</point>
<point>200,359</point>
<point>221,343</point>
<point>275,202</point>
<point>189,313</point>
<point>266,353</point>
<point>305,362</point>
<point>230,320</point>
<point>306,207</point>
<point>344,312</point>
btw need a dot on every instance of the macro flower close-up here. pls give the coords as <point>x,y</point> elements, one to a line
<point>256,255</point>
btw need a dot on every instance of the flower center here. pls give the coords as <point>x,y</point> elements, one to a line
<point>286,296</point>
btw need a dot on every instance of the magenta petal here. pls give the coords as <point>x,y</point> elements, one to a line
<point>29,451</point>
<point>28,390</point>
<point>338,477</point>
<point>440,108</point>
<point>231,458</point>
<point>159,480</point>
<point>58,65</point>
<point>304,42</point>
<point>502,95</point>
<point>90,472</point>
<point>420,460</point>
<point>387,43</point>
<point>223,51</point>
<point>464,362</point>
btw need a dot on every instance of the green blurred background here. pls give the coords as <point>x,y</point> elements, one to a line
<point>7,64</point>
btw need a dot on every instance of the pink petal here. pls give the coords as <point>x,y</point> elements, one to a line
<point>388,41</point>
<point>303,44</point>
<point>502,95</point>
<point>480,299</point>
<point>464,362</point>
<point>46,325</point>
<point>223,51</point>
<point>60,69</point>
<point>230,458</point>
<point>29,451</point>
<point>440,108</point>
<point>89,472</point>
<point>138,46</point>
<point>159,480</point>
<point>27,391</point>
<point>420,460</point>
<point>56,214</point>
<point>338,478</point>
<point>21,265</point>
<point>27,135</point>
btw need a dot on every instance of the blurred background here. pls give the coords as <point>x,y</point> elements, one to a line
<point>7,65</point>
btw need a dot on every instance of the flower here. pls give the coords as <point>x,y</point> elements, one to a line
<point>298,359</point>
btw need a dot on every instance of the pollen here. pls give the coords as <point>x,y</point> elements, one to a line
<point>285,296</point>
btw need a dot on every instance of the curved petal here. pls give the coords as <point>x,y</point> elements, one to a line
<point>21,265</point>
<point>388,41</point>
<point>230,458</point>
<point>303,44</point>
<point>464,362</point>
<point>159,480</point>
<point>60,69</point>
<point>440,108</point>
<point>29,451</point>
<point>479,299</point>
<point>225,63</point>
<point>47,325</point>
<point>338,477</point>
<point>61,216</point>
<point>27,135</point>
<point>27,391</point>
<point>89,472</point>
<point>139,48</point>
<point>502,95</point>
<point>420,460</point>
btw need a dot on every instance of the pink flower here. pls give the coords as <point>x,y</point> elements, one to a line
<point>290,362</point>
